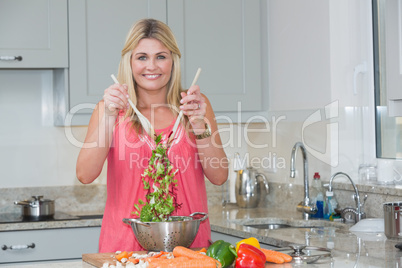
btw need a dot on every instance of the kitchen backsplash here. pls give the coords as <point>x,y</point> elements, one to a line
<point>79,199</point>
<point>90,199</point>
<point>82,199</point>
<point>286,196</point>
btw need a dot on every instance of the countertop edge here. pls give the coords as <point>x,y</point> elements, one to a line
<point>43,225</point>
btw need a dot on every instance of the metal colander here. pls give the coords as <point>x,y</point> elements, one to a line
<point>165,236</point>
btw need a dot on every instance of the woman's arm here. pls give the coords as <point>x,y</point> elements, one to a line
<point>100,132</point>
<point>96,145</point>
<point>212,156</point>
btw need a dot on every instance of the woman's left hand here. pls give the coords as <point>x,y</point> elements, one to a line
<point>198,109</point>
<point>193,105</point>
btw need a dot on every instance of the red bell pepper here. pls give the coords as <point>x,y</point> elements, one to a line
<point>249,256</point>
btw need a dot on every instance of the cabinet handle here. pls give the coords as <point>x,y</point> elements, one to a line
<point>11,58</point>
<point>18,247</point>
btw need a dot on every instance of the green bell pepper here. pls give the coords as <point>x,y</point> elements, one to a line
<point>222,251</point>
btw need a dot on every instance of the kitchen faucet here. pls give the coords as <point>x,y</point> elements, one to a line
<point>303,206</point>
<point>358,211</point>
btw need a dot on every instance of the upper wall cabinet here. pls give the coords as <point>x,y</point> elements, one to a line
<point>97,32</point>
<point>33,34</point>
<point>227,46</point>
<point>223,38</point>
<point>391,57</point>
<point>299,73</point>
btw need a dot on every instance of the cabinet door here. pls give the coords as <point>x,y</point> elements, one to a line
<point>393,56</point>
<point>97,32</point>
<point>36,31</point>
<point>49,244</point>
<point>223,38</point>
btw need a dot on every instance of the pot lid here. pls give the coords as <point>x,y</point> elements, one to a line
<point>306,254</point>
<point>35,201</point>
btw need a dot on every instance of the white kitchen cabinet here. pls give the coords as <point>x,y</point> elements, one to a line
<point>36,31</point>
<point>319,52</point>
<point>391,55</point>
<point>48,244</point>
<point>299,55</point>
<point>224,39</point>
<point>97,32</point>
<point>228,50</point>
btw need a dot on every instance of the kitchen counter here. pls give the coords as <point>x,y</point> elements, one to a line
<point>348,249</point>
<point>50,264</point>
<point>40,225</point>
<point>49,225</point>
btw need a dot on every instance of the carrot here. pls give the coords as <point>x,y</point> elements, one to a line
<point>159,263</point>
<point>153,259</point>
<point>135,261</point>
<point>164,256</point>
<point>122,255</point>
<point>184,262</point>
<point>189,253</point>
<point>199,263</point>
<point>158,254</point>
<point>204,250</point>
<point>276,256</point>
<point>180,251</point>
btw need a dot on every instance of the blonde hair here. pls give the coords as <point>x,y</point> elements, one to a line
<point>150,28</point>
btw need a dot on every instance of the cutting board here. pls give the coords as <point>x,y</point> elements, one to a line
<point>98,259</point>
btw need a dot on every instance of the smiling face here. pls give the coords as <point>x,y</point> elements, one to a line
<point>151,64</point>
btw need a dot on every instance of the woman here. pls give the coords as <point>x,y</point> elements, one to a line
<point>149,74</point>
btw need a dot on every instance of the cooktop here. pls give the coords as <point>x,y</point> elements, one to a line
<point>58,216</point>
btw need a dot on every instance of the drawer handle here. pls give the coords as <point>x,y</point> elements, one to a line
<point>11,58</point>
<point>18,247</point>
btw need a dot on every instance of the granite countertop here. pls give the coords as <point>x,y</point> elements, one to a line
<point>348,249</point>
<point>88,220</point>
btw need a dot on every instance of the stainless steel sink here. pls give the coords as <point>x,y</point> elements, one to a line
<point>279,223</point>
<point>270,226</point>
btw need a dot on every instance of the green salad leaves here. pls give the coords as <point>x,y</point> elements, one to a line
<point>158,180</point>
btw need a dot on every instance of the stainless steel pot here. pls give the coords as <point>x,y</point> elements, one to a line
<point>392,219</point>
<point>36,207</point>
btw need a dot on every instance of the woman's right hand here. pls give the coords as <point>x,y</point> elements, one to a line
<point>115,99</point>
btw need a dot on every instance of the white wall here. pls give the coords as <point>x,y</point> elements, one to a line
<point>313,48</point>
<point>32,151</point>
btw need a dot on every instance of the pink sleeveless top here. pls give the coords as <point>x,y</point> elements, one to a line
<point>128,157</point>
